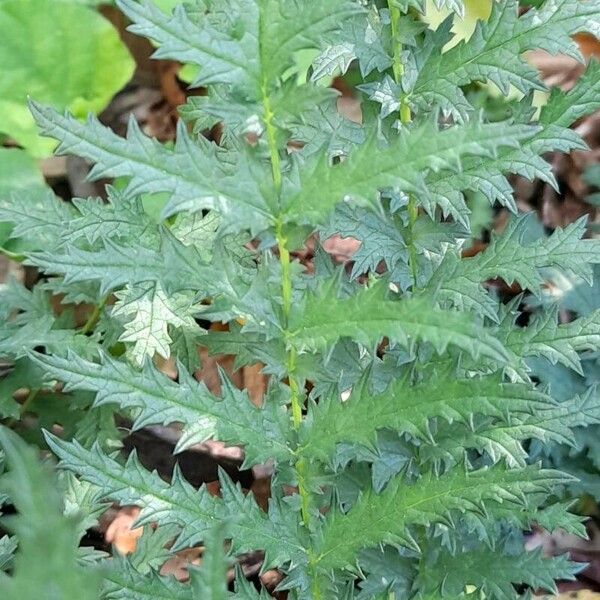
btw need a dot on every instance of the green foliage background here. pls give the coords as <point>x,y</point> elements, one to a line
<point>422,421</point>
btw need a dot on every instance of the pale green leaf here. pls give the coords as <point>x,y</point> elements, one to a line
<point>377,518</point>
<point>409,408</point>
<point>46,563</point>
<point>368,315</point>
<point>159,400</point>
<point>79,67</point>
<point>402,164</point>
<point>147,312</point>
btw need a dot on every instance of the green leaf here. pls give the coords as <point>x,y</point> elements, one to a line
<point>196,173</point>
<point>159,400</point>
<point>223,60</point>
<point>270,33</point>
<point>387,516</point>
<point>24,375</point>
<point>564,108</point>
<point>409,408</point>
<point>80,67</point>
<point>178,268</point>
<point>559,343</point>
<point>358,39</point>
<point>503,440</point>
<point>494,574</point>
<point>113,266</point>
<point>510,258</point>
<point>388,572</point>
<point>210,582</point>
<point>18,170</point>
<point>177,502</point>
<point>34,324</point>
<point>121,217</point>
<point>493,53</point>
<point>123,582</point>
<point>401,164</point>
<point>324,127</point>
<point>487,175</point>
<point>35,212</point>
<point>380,237</point>
<point>368,315</point>
<point>46,564</point>
<point>513,257</point>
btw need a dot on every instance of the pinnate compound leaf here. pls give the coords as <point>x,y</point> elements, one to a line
<point>494,574</point>
<point>510,256</point>
<point>159,400</point>
<point>400,165</point>
<point>369,315</point>
<point>196,512</point>
<point>559,343</point>
<point>504,440</point>
<point>221,58</point>
<point>112,266</point>
<point>270,33</point>
<point>46,559</point>
<point>409,408</point>
<point>387,516</point>
<point>196,173</point>
<point>493,52</point>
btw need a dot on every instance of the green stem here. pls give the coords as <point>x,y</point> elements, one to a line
<point>397,66</point>
<point>413,213</point>
<point>29,401</point>
<point>405,118</point>
<point>290,359</point>
<point>271,137</point>
<point>12,255</point>
<point>286,293</point>
<point>93,318</point>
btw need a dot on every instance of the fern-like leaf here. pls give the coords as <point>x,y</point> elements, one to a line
<point>408,408</point>
<point>231,418</point>
<point>401,164</point>
<point>368,315</point>
<point>196,512</point>
<point>494,50</point>
<point>387,516</point>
